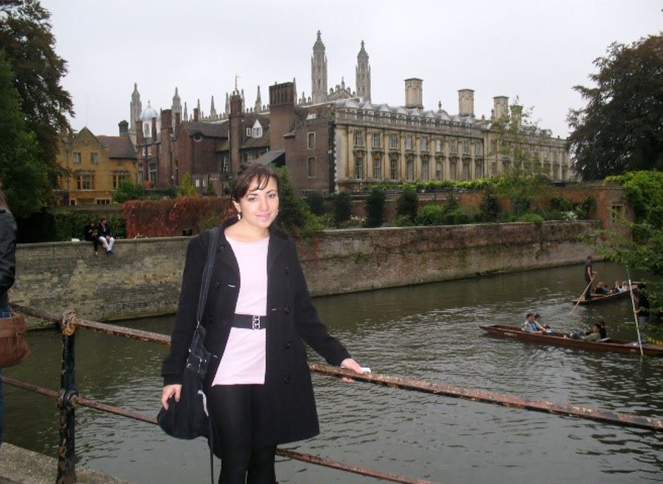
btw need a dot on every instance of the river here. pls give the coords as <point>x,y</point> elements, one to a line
<point>428,332</point>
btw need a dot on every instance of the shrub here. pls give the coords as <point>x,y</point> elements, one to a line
<point>294,214</point>
<point>534,218</point>
<point>316,203</point>
<point>342,208</point>
<point>128,191</point>
<point>586,208</point>
<point>520,204</point>
<point>375,207</point>
<point>401,221</point>
<point>407,204</point>
<point>490,206</point>
<point>186,187</point>
<point>561,204</point>
<point>432,215</point>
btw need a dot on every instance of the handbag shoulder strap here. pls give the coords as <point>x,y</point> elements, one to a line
<point>207,272</point>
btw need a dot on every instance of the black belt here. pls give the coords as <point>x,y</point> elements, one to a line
<point>247,321</point>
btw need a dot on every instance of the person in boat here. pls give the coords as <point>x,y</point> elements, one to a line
<point>597,333</point>
<point>531,326</point>
<point>601,289</point>
<point>589,275</point>
<point>540,326</point>
<point>617,288</point>
<point>624,287</point>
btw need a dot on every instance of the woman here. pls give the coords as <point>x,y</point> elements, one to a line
<point>7,272</point>
<point>258,312</point>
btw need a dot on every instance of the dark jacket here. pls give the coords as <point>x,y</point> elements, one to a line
<point>104,230</point>
<point>292,318</point>
<point>7,254</point>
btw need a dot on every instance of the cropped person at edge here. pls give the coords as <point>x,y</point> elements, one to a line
<point>258,312</point>
<point>7,273</point>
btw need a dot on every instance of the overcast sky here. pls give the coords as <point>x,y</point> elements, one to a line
<point>537,50</point>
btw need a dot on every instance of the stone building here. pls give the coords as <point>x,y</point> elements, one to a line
<point>338,139</point>
<point>98,165</point>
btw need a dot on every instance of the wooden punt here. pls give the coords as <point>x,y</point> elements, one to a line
<point>560,339</point>
<point>599,298</point>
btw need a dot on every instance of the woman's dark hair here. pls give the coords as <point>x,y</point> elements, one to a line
<point>248,174</point>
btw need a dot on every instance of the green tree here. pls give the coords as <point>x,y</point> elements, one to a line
<point>342,208</point>
<point>621,127</point>
<point>186,187</point>
<point>375,203</point>
<point>128,191</point>
<point>517,137</point>
<point>407,204</point>
<point>316,203</point>
<point>26,38</point>
<point>24,181</point>
<point>294,214</point>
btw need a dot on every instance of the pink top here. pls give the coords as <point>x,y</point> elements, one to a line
<point>243,361</point>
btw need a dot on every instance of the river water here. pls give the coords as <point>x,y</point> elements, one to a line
<point>428,332</point>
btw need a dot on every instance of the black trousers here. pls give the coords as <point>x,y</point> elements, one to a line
<point>239,423</point>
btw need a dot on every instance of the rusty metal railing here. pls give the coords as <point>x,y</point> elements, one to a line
<point>68,398</point>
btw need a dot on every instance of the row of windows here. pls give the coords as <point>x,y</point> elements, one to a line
<point>557,156</point>
<point>86,181</point>
<point>78,157</point>
<point>425,170</point>
<point>424,143</point>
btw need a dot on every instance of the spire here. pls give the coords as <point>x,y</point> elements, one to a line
<point>212,110</point>
<point>258,105</point>
<point>227,110</point>
<point>135,108</point>
<point>363,74</point>
<point>186,115</point>
<point>319,72</point>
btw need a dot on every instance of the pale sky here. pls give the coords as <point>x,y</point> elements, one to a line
<point>534,49</point>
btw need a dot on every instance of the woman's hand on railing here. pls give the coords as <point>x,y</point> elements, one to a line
<point>351,364</point>
<point>169,391</point>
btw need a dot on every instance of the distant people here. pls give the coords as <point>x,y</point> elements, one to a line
<point>601,289</point>
<point>7,273</point>
<point>642,311</point>
<point>106,238</point>
<point>589,275</point>
<point>531,326</point>
<point>92,235</point>
<point>540,326</point>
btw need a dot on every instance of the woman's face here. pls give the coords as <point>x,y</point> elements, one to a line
<point>259,206</point>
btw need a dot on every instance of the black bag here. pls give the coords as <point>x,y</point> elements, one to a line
<point>188,418</point>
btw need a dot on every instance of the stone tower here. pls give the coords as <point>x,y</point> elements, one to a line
<point>176,107</point>
<point>136,107</point>
<point>413,93</point>
<point>258,105</point>
<point>212,111</point>
<point>363,71</point>
<point>319,72</point>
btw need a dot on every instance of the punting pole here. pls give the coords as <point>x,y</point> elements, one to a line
<point>635,316</point>
<point>583,292</point>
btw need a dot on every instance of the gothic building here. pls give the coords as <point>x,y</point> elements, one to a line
<point>338,139</point>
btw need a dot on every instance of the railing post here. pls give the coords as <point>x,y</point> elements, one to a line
<point>67,449</point>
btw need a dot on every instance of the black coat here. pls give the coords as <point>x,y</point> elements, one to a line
<point>7,254</point>
<point>292,318</point>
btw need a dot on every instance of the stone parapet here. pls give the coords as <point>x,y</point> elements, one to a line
<point>143,277</point>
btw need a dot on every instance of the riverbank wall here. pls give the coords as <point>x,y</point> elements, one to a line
<point>143,277</point>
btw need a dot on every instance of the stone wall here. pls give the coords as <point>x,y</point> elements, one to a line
<point>143,277</point>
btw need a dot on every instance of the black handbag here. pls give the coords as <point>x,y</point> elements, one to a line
<point>188,418</point>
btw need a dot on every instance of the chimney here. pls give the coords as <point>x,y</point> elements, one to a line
<point>466,102</point>
<point>501,107</point>
<point>124,128</point>
<point>282,113</point>
<point>166,118</point>
<point>154,130</point>
<point>235,104</point>
<point>516,115</point>
<point>413,93</point>
<point>140,139</point>
<point>196,114</point>
<point>178,121</point>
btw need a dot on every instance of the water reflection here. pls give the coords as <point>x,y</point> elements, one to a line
<point>427,332</point>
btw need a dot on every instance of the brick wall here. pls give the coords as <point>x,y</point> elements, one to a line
<point>144,276</point>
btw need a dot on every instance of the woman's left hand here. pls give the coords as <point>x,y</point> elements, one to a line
<point>351,364</point>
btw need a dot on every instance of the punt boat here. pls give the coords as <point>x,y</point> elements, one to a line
<point>562,339</point>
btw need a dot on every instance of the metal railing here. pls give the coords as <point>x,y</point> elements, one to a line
<point>68,398</point>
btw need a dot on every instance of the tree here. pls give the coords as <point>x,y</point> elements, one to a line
<point>517,138</point>
<point>294,214</point>
<point>26,38</point>
<point>128,191</point>
<point>407,204</point>
<point>342,208</point>
<point>621,127</point>
<point>375,207</point>
<point>24,181</point>
<point>186,187</point>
